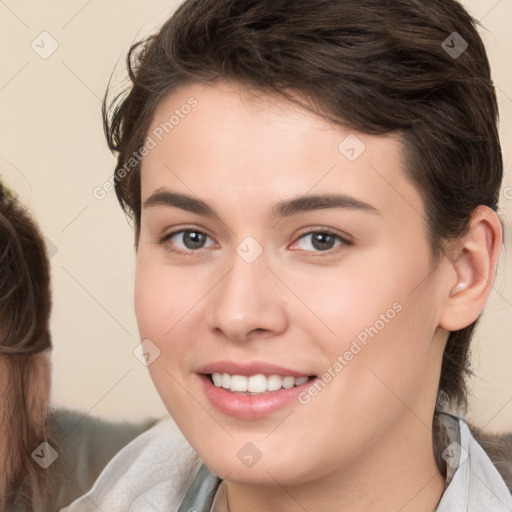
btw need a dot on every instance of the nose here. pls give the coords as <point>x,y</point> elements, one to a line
<point>248,302</point>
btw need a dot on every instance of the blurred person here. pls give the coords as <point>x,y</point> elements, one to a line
<point>83,444</point>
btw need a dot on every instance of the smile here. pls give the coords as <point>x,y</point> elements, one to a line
<point>255,384</point>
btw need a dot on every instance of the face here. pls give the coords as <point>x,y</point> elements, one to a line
<point>284,274</point>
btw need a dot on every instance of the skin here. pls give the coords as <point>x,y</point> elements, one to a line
<point>364,443</point>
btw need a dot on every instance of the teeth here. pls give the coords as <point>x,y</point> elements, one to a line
<point>274,383</point>
<point>288,382</point>
<point>226,381</point>
<point>238,383</point>
<point>255,384</point>
<point>218,380</point>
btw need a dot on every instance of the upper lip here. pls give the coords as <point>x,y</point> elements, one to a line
<point>249,368</point>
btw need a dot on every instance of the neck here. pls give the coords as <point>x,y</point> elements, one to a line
<point>400,473</point>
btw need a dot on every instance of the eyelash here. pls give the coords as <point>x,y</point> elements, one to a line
<point>325,231</point>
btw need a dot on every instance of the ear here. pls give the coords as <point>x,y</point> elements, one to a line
<point>474,262</point>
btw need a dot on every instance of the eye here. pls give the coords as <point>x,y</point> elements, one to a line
<point>187,240</point>
<point>320,241</point>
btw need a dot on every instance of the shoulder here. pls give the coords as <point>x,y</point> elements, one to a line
<point>475,483</point>
<point>91,438</point>
<point>83,446</point>
<point>485,484</point>
<point>498,448</point>
<point>154,470</point>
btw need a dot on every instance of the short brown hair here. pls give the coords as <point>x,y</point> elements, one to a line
<point>375,66</point>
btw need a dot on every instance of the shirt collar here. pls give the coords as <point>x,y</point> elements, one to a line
<point>474,483</point>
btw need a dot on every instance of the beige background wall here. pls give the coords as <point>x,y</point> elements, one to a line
<point>53,153</point>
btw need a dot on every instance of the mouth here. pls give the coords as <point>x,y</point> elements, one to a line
<point>251,397</point>
<point>258,384</point>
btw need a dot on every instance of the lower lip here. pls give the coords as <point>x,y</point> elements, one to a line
<point>250,407</point>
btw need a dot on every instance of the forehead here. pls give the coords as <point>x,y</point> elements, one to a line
<point>225,142</point>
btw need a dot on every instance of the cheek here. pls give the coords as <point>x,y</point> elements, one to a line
<point>381,319</point>
<point>164,297</point>
<point>159,306</point>
<point>345,304</point>
<point>151,303</point>
<point>168,310</point>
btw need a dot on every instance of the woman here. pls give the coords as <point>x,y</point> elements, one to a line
<point>49,458</point>
<point>314,188</point>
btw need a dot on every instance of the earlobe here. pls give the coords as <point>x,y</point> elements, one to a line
<point>475,268</point>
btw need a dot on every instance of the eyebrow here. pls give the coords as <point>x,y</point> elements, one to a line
<point>281,209</point>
